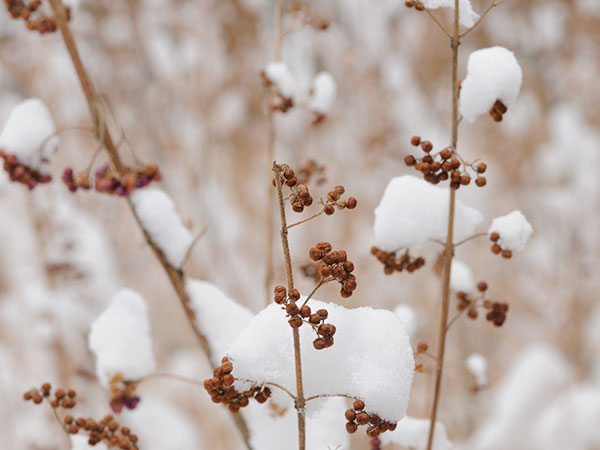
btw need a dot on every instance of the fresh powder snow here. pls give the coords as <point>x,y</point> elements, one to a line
<point>324,89</point>
<point>121,341</point>
<point>280,75</point>
<point>413,211</point>
<point>492,74</point>
<point>467,17</point>
<point>28,134</point>
<point>514,231</point>
<point>158,215</point>
<point>371,359</point>
<point>413,433</point>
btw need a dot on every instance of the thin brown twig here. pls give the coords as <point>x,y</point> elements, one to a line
<point>307,219</point>
<point>454,319</point>
<point>449,250</point>
<point>271,137</point>
<point>199,235</point>
<point>268,383</point>
<point>438,23</point>
<point>300,401</point>
<point>314,397</point>
<point>485,13</point>
<point>175,275</point>
<point>475,236</point>
<point>172,376</point>
<point>321,283</point>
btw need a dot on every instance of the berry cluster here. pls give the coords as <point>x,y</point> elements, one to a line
<point>300,197</point>
<point>334,200</point>
<point>61,399</point>
<point>414,4</point>
<point>281,103</point>
<point>123,394</point>
<point>498,110</point>
<point>221,389</point>
<point>356,416</point>
<point>496,310</point>
<point>74,182</point>
<point>303,314</point>
<point>309,170</point>
<point>335,265</point>
<point>393,263</point>
<point>21,173</point>
<point>111,181</point>
<point>106,430</point>
<point>19,9</point>
<point>443,165</point>
<point>496,249</point>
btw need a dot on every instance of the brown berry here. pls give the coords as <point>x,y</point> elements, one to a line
<point>415,140</point>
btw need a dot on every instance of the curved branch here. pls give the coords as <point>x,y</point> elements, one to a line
<point>175,275</point>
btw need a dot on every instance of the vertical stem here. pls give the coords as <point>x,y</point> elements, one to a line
<point>300,400</point>
<point>271,151</point>
<point>449,248</point>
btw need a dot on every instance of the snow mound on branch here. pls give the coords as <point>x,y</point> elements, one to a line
<point>414,433</point>
<point>492,74</point>
<point>461,277</point>
<point>80,442</point>
<point>371,359</point>
<point>280,75</point>
<point>413,211</point>
<point>324,89</point>
<point>218,318</point>
<point>27,134</point>
<point>477,366</point>
<point>120,339</point>
<point>514,231</point>
<point>467,16</point>
<point>158,215</point>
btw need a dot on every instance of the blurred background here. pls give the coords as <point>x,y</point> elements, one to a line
<point>182,81</point>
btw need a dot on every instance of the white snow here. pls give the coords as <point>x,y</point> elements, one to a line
<point>120,339</point>
<point>371,358</point>
<point>571,420</point>
<point>413,211</point>
<point>408,317</point>
<point>477,366</point>
<point>27,134</point>
<point>218,318</point>
<point>160,425</point>
<point>413,433</point>
<point>461,277</point>
<point>158,215</point>
<point>537,374</point>
<point>467,17</point>
<point>325,428</point>
<point>280,75</point>
<point>514,231</point>
<point>324,89</point>
<point>80,442</point>
<point>492,74</point>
